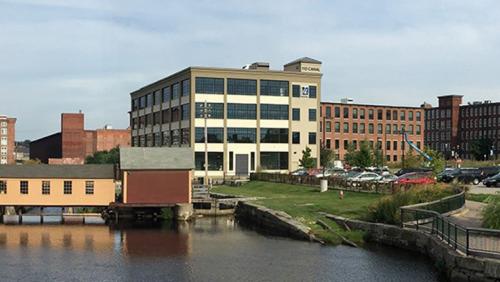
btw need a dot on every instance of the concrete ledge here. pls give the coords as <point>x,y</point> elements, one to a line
<point>456,266</point>
<point>276,222</point>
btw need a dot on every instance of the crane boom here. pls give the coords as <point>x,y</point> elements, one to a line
<point>414,147</point>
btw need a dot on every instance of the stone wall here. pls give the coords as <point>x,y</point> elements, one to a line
<point>276,222</point>
<point>456,266</point>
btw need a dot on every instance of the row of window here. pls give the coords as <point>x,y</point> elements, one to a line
<point>361,113</point>
<point>24,187</point>
<point>389,145</point>
<point>268,161</point>
<point>166,138</point>
<point>482,110</point>
<point>172,92</point>
<point>170,115</point>
<point>481,122</point>
<point>361,128</point>
<point>249,135</point>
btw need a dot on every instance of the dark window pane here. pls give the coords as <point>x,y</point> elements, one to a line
<point>276,112</point>
<point>274,88</point>
<point>241,86</point>
<point>209,85</point>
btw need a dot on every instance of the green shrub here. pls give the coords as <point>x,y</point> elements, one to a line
<point>387,210</point>
<point>491,214</point>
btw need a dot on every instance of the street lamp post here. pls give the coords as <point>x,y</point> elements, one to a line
<point>206,111</point>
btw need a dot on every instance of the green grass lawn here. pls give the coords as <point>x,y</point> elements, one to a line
<point>483,198</point>
<point>304,204</point>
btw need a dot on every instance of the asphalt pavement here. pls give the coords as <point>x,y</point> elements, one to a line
<point>481,189</point>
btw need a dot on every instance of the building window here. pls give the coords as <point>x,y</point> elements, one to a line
<point>166,94</point>
<point>157,97</point>
<point>346,144</point>
<point>241,86</point>
<point>337,144</point>
<point>185,136</point>
<point>185,112</point>
<point>395,115</point>
<point>241,135</point>
<point>337,127</point>
<point>395,129</point>
<point>312,138</point>
<point>388,129</point>
<point>295,137</point>
<point>328,144</point>
<point>362,113</point>
<point>296,114</point>
<point>337,112</point>
<point>186,88</point>
<point>242,111</point>
<point>274,135</point>
<point>380,114</point>
<point>3,187</point>
<point>395,145</point>
<point>231,161</point>
<point>387,145</point>
<point>312,114</point>
<point>45,187</point>
<point>252,161</point>
<point>149,100</point>
<point>328,126</point>
<point>274,112</point>
<point>379,128</point>
<point>215,161</point>
<point>312,91</point>
<point>371,128</point>
<point>354,128</point>
<point>24,187</point>
<point>362,128</point>
<point>410,115</point>
<point>209,85</point>
<point>176,91</point>
<point>274,88</point>
<point>89,187</point>
<point>388,114</point>
<point>354,113</point>
<point>370,114</point>
<point>296,90</point>
<point>214,110</point>
<point>68,187</point>
<point>418,116</point>
<point>402,115</point>
<point>346,112</point>
<point>274,160</point>
<point>328,112</point>
<point>214,135</point>
<point>346,127</point>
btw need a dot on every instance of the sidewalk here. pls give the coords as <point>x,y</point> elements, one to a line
<point>470,216</point>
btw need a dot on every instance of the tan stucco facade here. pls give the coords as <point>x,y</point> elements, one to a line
<point>302,74</point>
<point>104,193</point>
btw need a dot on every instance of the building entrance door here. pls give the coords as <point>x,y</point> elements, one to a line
<point>241,165</point>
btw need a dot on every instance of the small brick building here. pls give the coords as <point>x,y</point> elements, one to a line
<point>156,176</point>
<point>73,144</point>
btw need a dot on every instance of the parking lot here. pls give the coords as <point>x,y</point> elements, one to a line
<point>481,189</point>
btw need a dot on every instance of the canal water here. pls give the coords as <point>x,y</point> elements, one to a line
<point>209,249</point>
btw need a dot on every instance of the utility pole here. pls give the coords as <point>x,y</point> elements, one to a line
<point>206,111</point>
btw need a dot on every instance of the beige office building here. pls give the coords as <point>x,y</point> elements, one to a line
<point>257,118</point>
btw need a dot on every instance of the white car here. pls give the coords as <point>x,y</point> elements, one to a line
<point>365,177</point>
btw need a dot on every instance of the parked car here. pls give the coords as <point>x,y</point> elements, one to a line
<point>489,171</point>
<point>329,172</point>
<point>414,169</point>
<point>364,177</point>
<point>493,181</point>
<point>446,171</point>
<point>415,178</point>
<point>300,172</point>
<point>352,173</point>
<point>464,175</point>
<point>387,178</point>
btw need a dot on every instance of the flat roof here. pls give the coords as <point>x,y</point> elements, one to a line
<point>44,171</point>
<point>372,105</point>
<point>159,158</point>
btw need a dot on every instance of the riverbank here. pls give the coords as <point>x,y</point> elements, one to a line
<point>305,205</point>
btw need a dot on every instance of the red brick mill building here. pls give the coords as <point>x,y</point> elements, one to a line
<point>74,143</point>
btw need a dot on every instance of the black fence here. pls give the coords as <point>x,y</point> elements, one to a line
<point>429,218</point>
<point>334,182</point>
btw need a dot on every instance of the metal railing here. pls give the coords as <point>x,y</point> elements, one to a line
<point>429,218</point>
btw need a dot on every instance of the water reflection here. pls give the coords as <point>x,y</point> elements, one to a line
<point>205,250</point>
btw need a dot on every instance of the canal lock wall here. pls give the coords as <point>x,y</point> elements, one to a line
<point>274,222</point>
<point>457,267</point>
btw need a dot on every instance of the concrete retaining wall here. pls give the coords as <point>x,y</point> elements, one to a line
<point>457,266</point>
<point>276,222</point>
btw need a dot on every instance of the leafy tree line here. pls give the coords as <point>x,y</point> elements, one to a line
<point>104,157</point>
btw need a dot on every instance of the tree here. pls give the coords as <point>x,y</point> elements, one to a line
<point>378,157</point>
<point>307,161</point>
<point>104,157</point>
<point>438,162</point>
<point>364,157</point>
<point>480,149</point>
<point>326,156</point>
<point>412,160</point>
<point>350,156</point>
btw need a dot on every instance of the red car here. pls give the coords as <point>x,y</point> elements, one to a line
<point>415,178</point>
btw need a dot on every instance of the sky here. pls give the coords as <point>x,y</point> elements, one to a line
<point>66,56</point>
